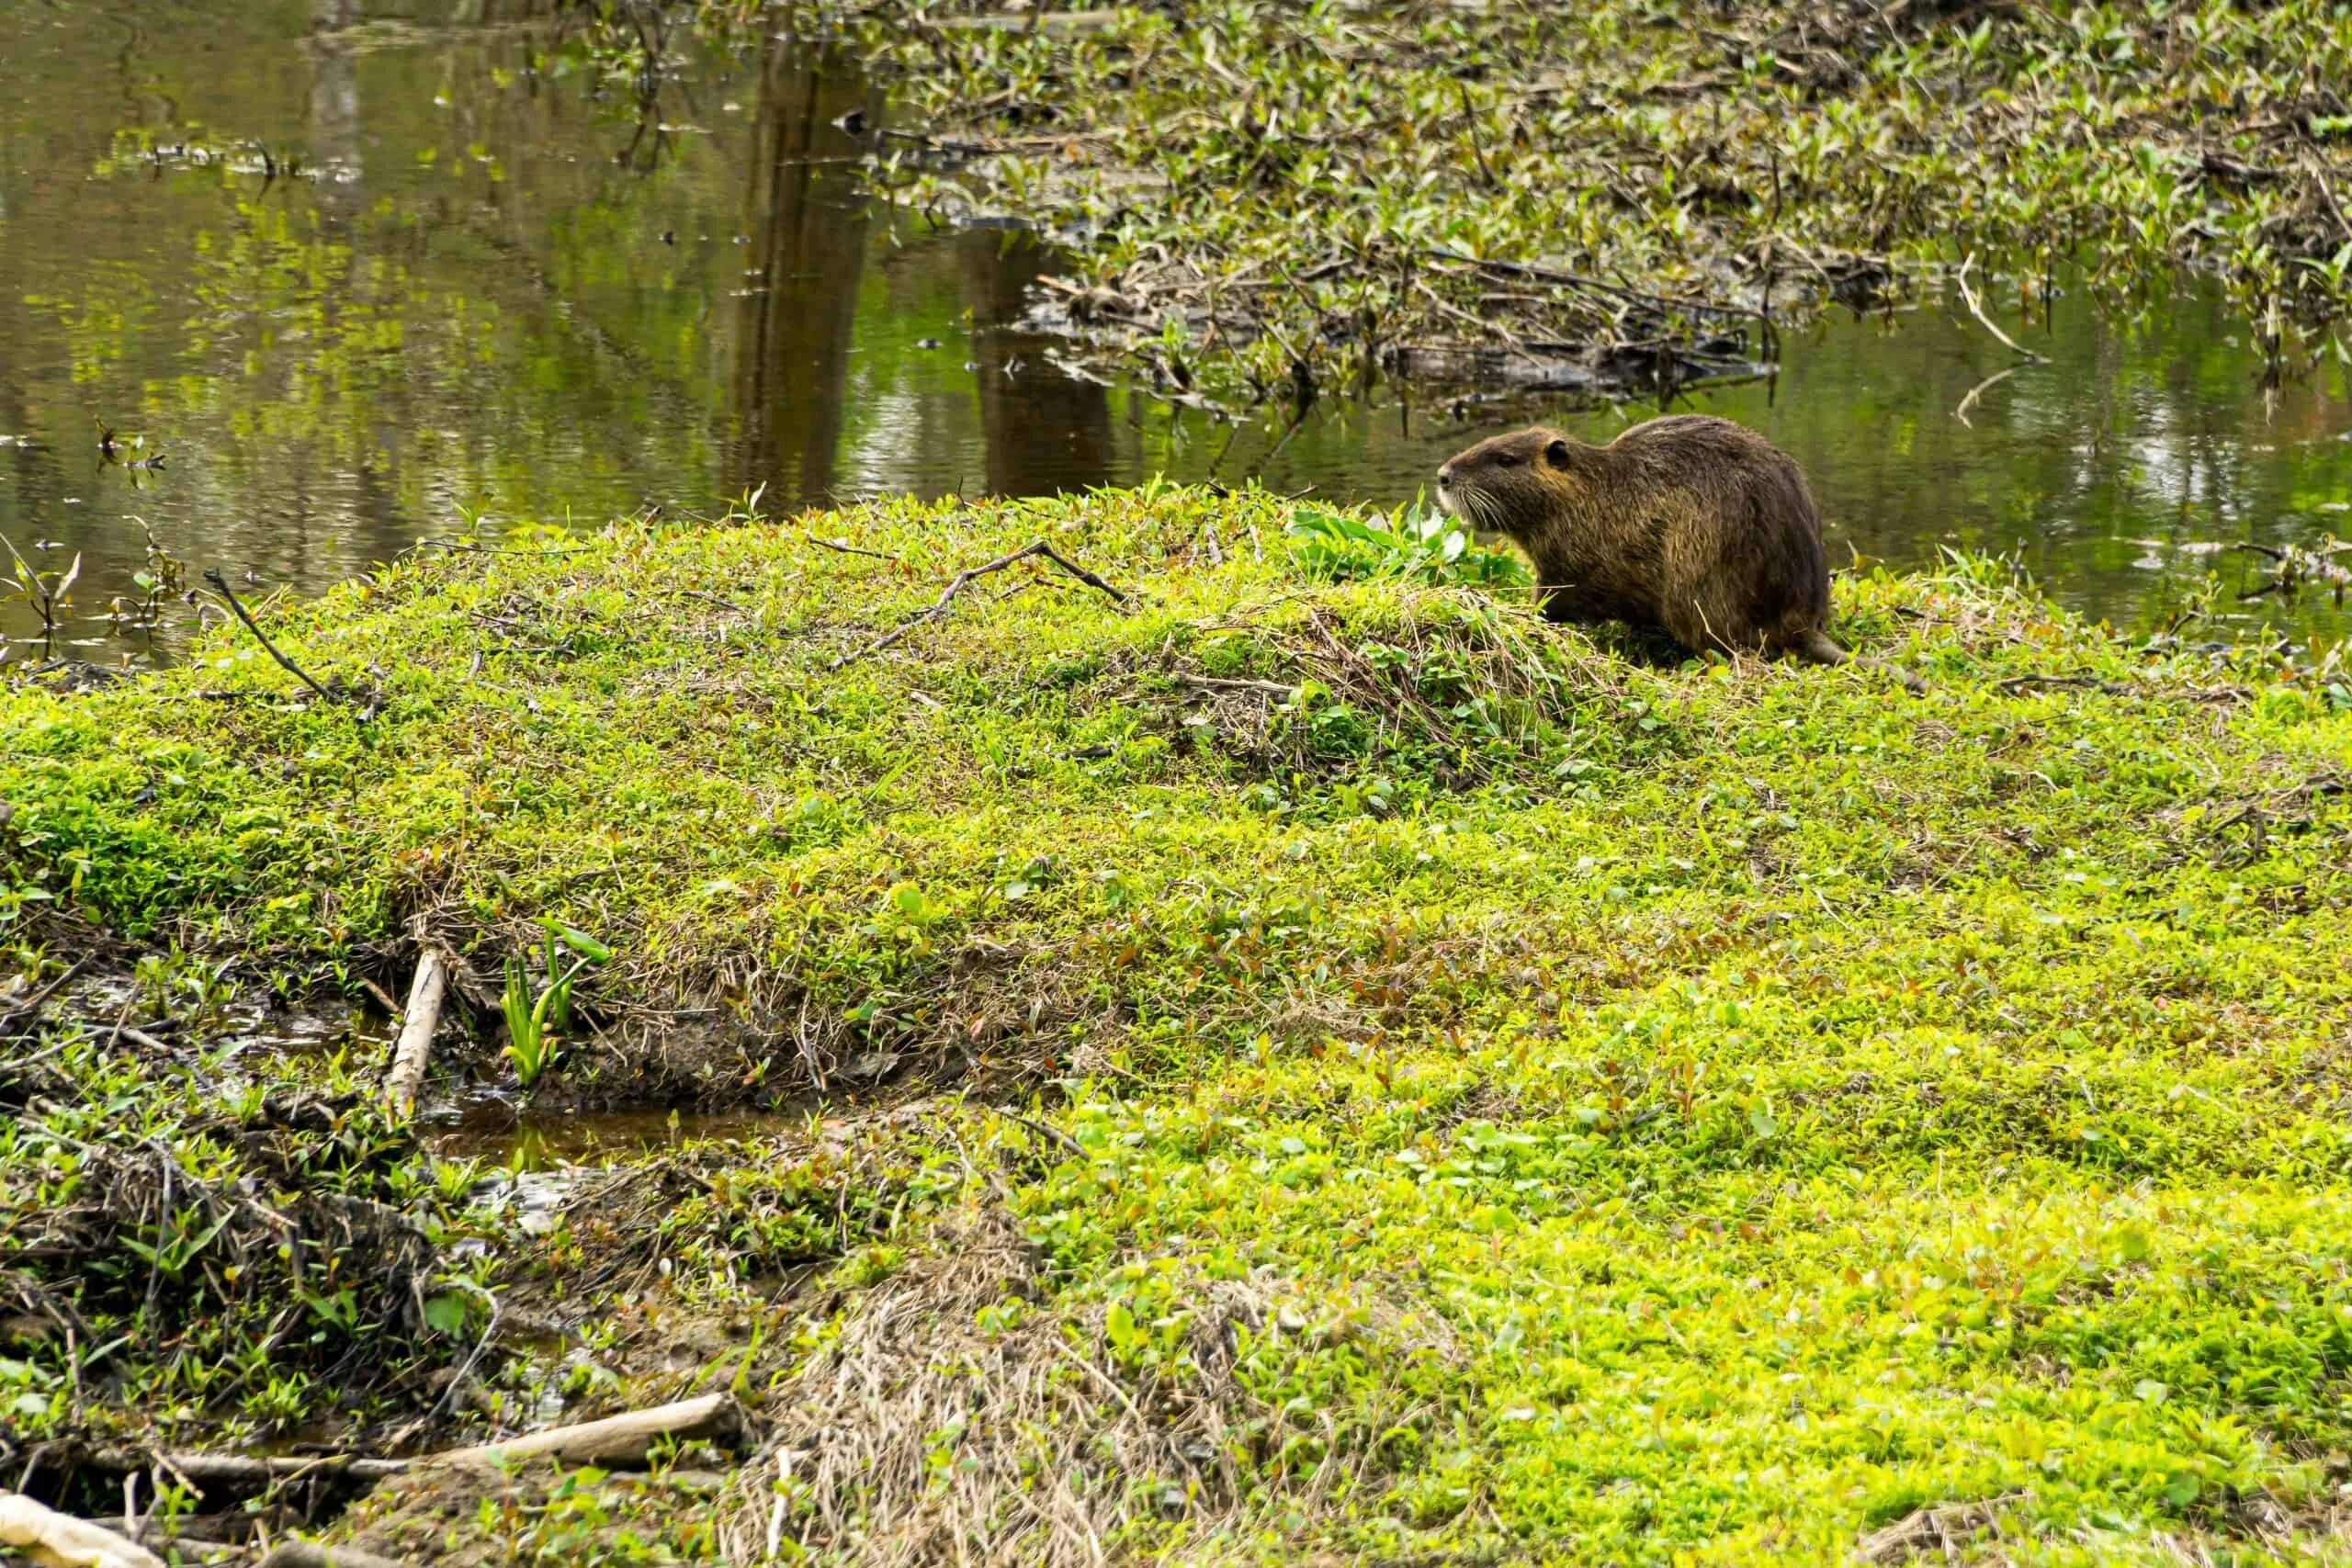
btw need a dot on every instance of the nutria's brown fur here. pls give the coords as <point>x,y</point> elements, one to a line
<point>1695,526</point>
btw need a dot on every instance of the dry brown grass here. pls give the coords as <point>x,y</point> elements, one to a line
<point>921,1436</point>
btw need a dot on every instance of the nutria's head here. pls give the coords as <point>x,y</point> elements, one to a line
<point>1508,484</point>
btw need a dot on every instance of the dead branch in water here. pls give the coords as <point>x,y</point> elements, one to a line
<point>1977,309</point>
<point>947,595</point>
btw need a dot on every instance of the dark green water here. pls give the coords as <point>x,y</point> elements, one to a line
<point>493,291</point>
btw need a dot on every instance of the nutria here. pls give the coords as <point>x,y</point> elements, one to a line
<point>1696,525</point>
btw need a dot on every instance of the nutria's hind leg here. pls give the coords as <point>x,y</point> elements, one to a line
<point>1813,645</point>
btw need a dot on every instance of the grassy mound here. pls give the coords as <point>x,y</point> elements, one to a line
<point>1498,1092</point>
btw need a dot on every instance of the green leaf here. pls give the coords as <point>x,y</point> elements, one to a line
<point>581,942</point>
<point>446,1312</point>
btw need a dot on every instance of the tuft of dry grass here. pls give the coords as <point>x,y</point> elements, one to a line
<point>951,1419</point>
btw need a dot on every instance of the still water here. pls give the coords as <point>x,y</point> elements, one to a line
<point>360,272</point>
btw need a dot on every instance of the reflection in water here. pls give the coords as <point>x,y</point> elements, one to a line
<point>494,295</point>
<point>796,305</point>
<point>1043,431</point>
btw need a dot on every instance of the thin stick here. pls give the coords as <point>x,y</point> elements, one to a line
<point>1042,1130</point>
<point>849,549</point>
<point>1977,310</point>
<point>221,584</point>
<point>39,998</point>
<point>474,549</point>
<point>947,594</point>
<point>416,1046</point>
<point>1470,120</point>
<point>1578,280</point>
<point>1219,683</point>
<point>2319,178</point>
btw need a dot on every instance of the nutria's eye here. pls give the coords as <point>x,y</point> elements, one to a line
<point>1506,460</point>
<point>1557,453</point>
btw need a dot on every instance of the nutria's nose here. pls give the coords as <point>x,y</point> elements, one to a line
<point>1444,475</point>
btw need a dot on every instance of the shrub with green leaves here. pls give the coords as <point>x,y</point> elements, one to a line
<point>1413,542</point>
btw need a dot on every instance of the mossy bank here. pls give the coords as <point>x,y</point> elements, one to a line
<point>1378,1074</point>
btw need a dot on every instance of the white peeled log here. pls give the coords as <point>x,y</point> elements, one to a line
<point>415,1050</point>
<point>59,1541</point>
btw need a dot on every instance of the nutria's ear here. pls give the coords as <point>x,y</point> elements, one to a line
<point>1556,454</point>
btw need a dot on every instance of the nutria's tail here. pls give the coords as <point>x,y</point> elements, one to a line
<point>1815,646</point>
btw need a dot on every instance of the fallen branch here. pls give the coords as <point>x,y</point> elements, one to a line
<point>1615,291</point>
<point>21,1017</point>
<point>617,1440</point>
<point>947,594</point>
<point>2087,682</point>
<point>1040,1130</point>
<point>220,585</point>
<point>259,1469</point>
<point>417,1022</point>
<point>1977,310</point>
<point>59,1541</point>
<point>1216,683</point>
<point>849,549</point>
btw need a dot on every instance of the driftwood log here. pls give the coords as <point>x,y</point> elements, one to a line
<point>414,1049</point>
<point>59,1541</point>
<point>615,1440</point>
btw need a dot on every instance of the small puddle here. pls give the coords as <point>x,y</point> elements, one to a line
<point>469,280</point>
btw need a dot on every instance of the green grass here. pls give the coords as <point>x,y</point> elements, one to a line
<point>1263,185</point>
<point>1479,1089</point>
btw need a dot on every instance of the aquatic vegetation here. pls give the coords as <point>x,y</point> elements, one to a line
<point>1408,1078</point>
<point>1297,195</point>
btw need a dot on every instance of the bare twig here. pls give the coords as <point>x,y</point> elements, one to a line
<point>1217,684</point>
<point>1041,1130</point>
<point>1470,120</point>
<point>27,1008</point>
<point>1578,280</point>
<point>947,594</point>
<point>2089,682</point>
<point>2319,181</point>
<point>1977,310</point>
<point>465,1368</point>
<point>850,549</point>
<point>220,585</point>
<point>470,547</point>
